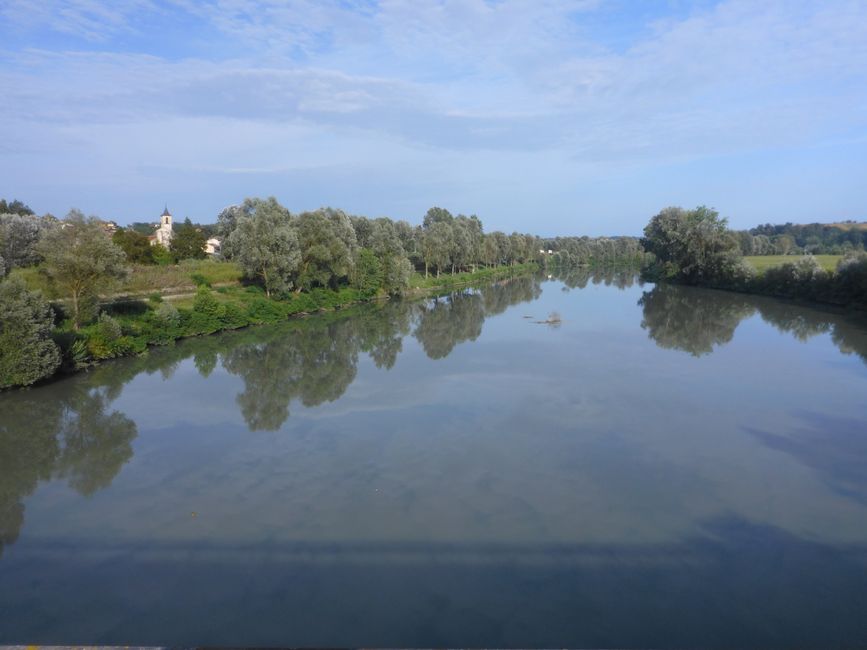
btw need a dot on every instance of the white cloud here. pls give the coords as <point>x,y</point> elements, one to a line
<point>451,84</point>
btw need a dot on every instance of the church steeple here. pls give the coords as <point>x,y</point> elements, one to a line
<point>166,212</point>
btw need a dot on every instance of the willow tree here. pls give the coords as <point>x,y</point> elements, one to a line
<point>81,261</point>
<point>264,242</point>
<point>328,245</point>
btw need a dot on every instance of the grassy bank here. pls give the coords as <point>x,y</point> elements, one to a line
<point>763,262</point>
<point>144,280</point>
<point>128,327</point>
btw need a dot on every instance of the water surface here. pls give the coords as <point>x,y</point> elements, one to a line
<point>665,467</point>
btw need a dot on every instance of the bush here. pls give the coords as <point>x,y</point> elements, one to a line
<point>801,279</point>
<point>262,310</point>
<point>27,351</point>
<point>105,340</point>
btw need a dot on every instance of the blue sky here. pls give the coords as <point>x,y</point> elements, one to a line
<point>548,116</point>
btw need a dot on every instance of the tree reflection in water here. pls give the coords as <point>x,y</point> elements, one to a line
<point>699,320</point>
<point>75,438</point>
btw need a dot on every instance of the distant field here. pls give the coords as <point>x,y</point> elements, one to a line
<point>849,226</point>
<point>763,262</point>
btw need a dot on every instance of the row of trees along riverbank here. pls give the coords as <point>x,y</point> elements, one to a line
<point>291,263</point>
<point>696,247</point>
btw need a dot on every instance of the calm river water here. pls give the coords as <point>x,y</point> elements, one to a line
<point>666,467</point>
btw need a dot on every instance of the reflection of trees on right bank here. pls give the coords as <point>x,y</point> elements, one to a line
<point>698,320</point>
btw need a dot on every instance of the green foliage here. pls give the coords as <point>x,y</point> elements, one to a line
<point>763,262</point>
<point>188,242</point>
<point>19,238</point>
<point>162,256</point>
<point>135,245</point>
<point>15,207</point>
<point>328,245</point>
<point>200,280</point>
<point>812,238</point>
<point>27,352</point>
<point>368,273</point>
<point>696,248</point>
<point>691,246</point>
<point>81,261</point>
<point>264,242</point>
<point>105,339</point>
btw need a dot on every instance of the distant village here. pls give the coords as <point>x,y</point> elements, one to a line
<point>162,232</point>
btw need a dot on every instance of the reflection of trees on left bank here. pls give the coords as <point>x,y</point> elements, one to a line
<point>73,436</point>
<point>68,431</point>
<point>314,361</point>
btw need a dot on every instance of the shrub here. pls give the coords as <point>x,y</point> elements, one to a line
<point>27,351</point>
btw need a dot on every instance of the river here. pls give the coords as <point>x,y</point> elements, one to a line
<point>575,462</point>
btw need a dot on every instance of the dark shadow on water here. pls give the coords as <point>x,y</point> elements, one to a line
<point>735,584</point>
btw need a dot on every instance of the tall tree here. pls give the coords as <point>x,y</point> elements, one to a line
<point>81,261</point>
<point>437,246</point>
<point>328,246</point>
<point>265,243</point>
<point>691,245</point>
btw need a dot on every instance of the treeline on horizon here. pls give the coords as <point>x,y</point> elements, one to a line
<point>810,239</point>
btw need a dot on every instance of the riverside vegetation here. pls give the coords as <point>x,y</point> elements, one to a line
<point>110,296</point>
<point>696,247</point>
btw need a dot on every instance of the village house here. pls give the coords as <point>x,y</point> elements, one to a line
<point>213,246</point>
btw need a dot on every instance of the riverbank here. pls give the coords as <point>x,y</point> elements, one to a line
<point>129,327</point>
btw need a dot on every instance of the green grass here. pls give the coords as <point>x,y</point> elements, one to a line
<point>145,279</point>
<point>763,262</point>
<point>149,279</point>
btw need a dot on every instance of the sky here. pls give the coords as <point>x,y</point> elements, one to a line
<point>564,117</point>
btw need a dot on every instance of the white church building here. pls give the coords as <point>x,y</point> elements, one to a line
<point>163,234</point>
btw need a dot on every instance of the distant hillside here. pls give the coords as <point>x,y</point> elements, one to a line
<point>848,225</point>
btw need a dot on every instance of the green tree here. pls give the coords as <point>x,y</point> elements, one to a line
<point>328,246</point>
<point>19,238</point>
<point>14,207</point>
<point>386,244</point>
<point>81,260</point>
<point>368,272</point>
<point>188,242</point>
<point>692,246</point>
<point>135,245</point>
<point>437,246</point>
<point>27,352</point>
<point>265,243</point>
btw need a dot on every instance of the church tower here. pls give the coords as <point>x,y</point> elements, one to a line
<point>164,231</point>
